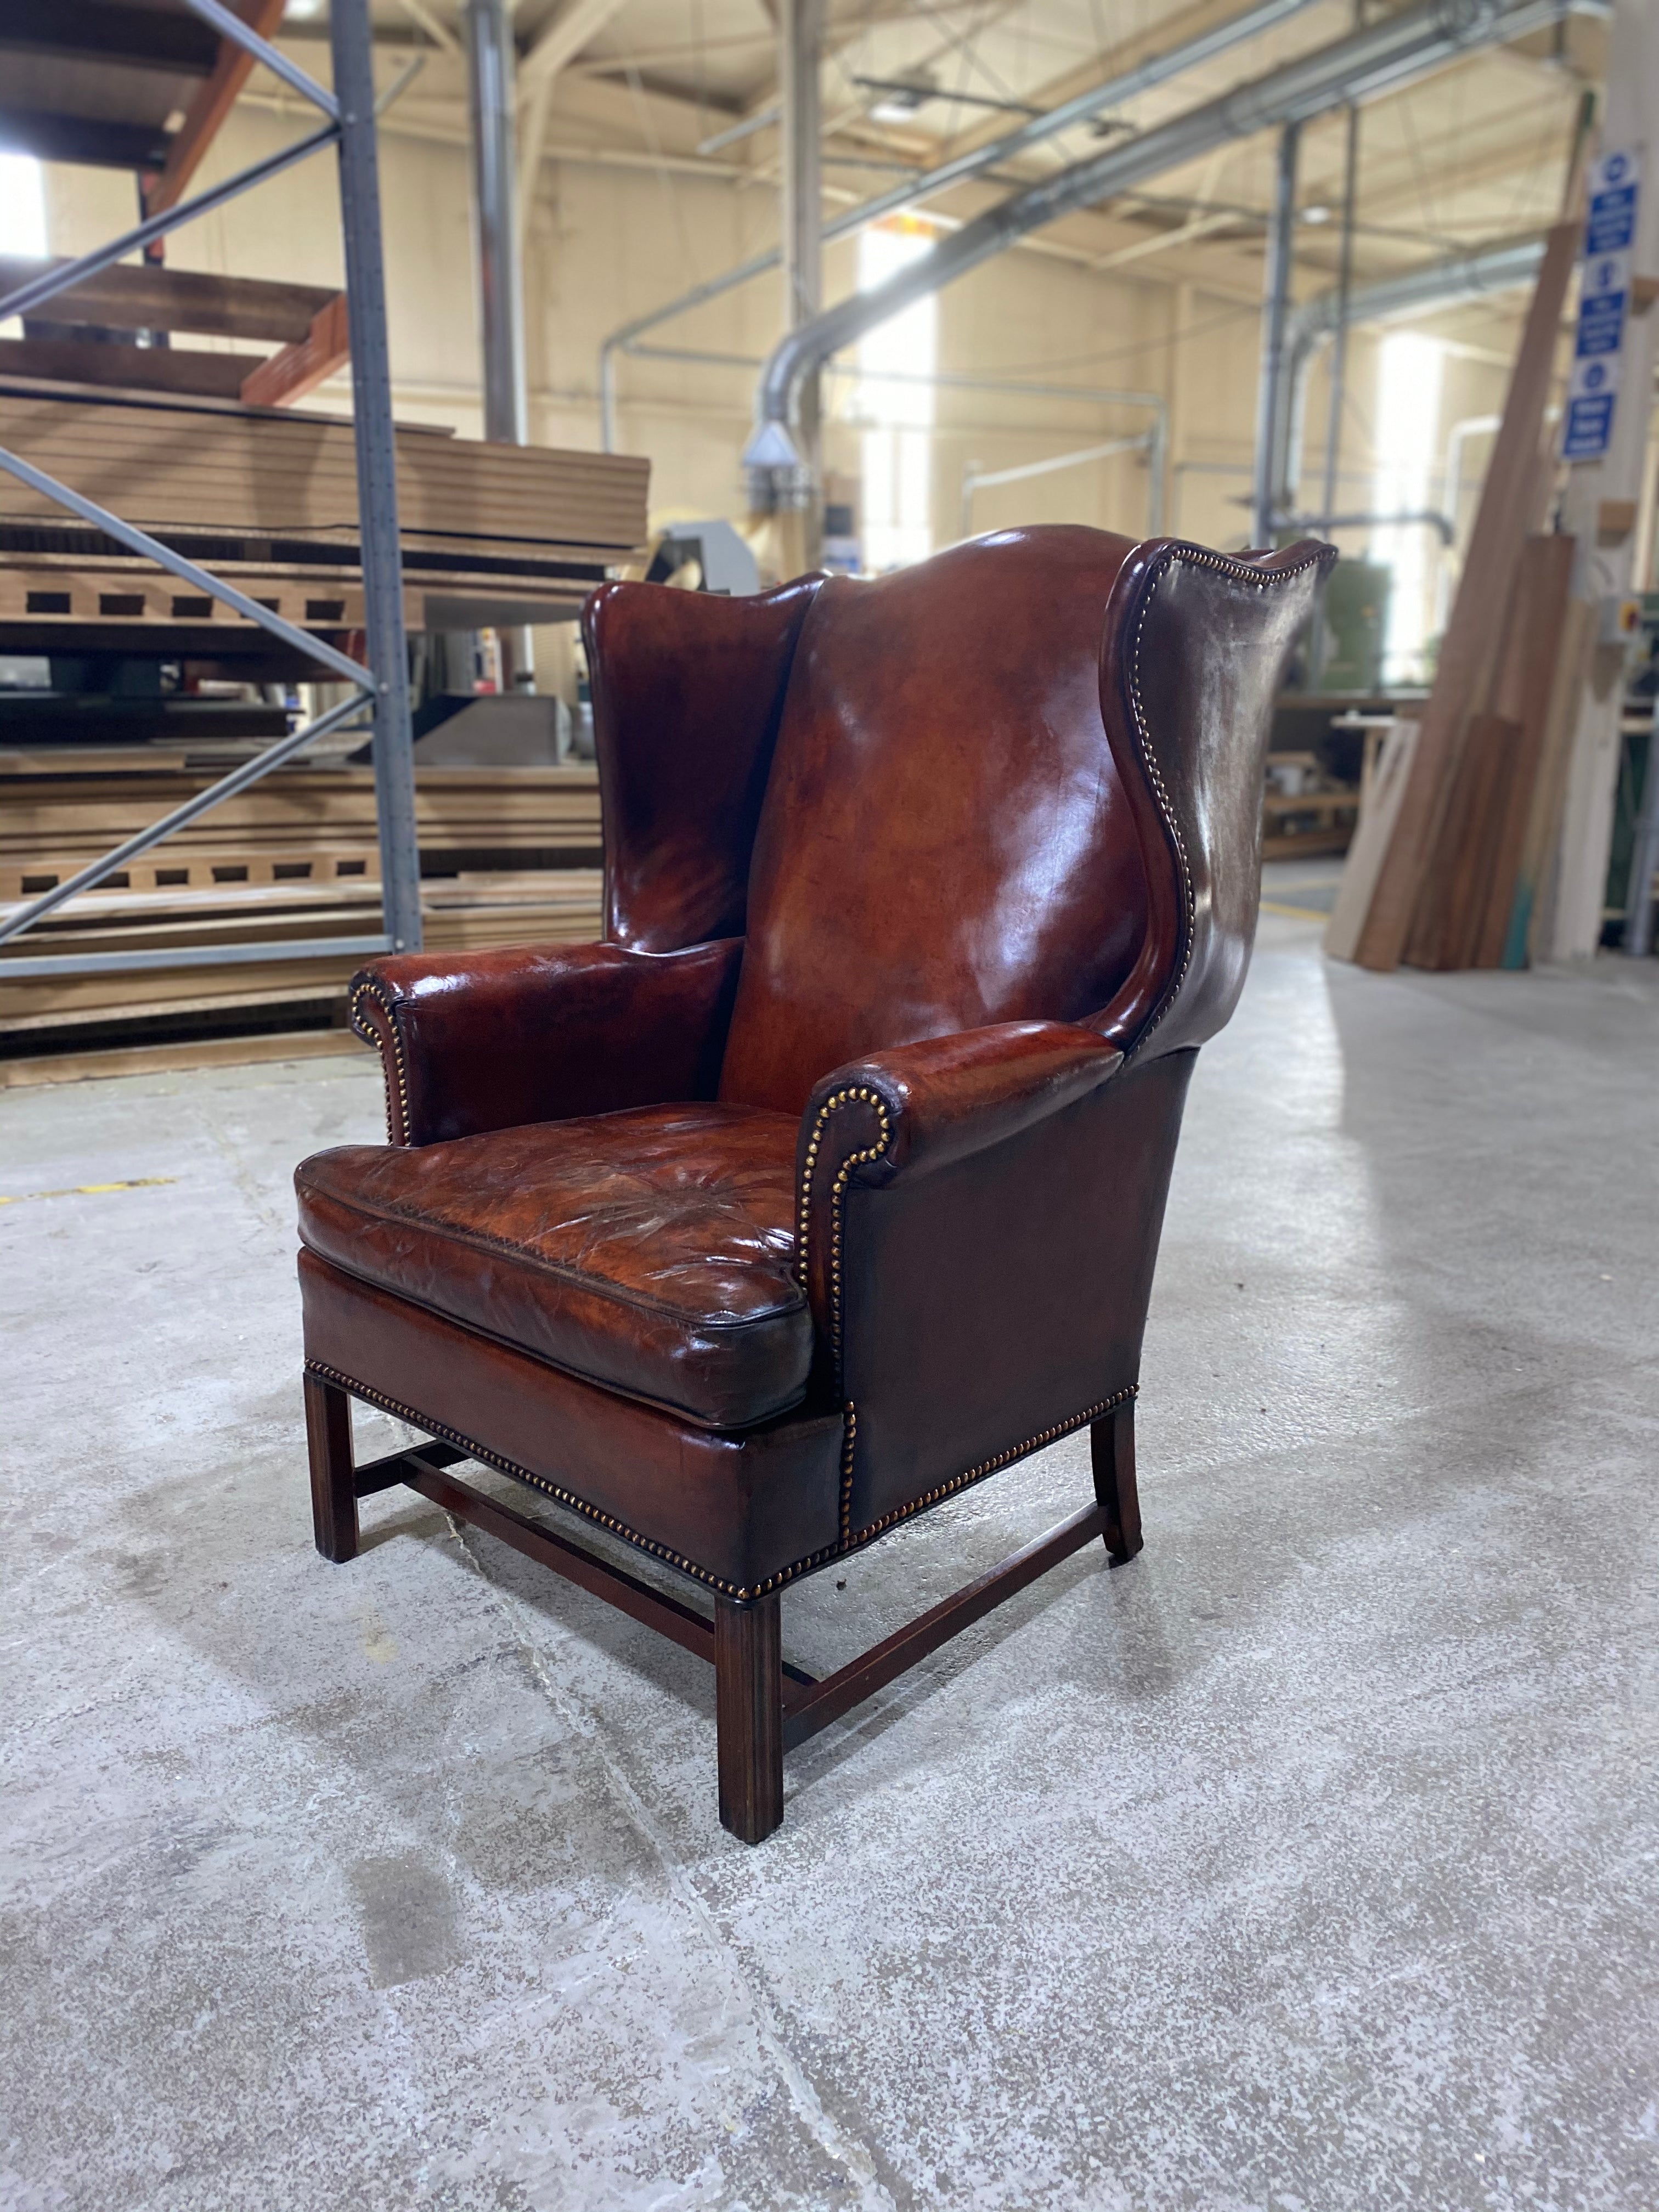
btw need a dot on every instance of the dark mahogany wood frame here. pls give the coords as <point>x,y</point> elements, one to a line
<point>763,1706</point>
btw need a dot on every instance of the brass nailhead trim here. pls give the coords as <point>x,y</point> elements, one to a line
<point>990,1465</point>
<point>396,1101</point>
<point>1242,572</point>
<point>789,1574</point>
<point>858,1094</point>
<point>849,1417</point>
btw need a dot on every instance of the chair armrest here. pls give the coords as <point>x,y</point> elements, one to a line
<point>476,1040</point>
<point>916,1108</point>
<point>979,1218</point>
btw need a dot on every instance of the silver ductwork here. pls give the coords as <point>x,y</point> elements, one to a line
<point>1157,69</point>
<point>1506,268</point>
<point>1379,59</point>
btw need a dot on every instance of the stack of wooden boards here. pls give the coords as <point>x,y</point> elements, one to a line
<point>268,499</point>
<point>1463,812</point>
<point>295,856</point>
<point>96,326</point>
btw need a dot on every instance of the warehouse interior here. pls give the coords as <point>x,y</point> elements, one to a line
<point>348,348</point>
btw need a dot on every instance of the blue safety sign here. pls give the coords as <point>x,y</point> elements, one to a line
<point>1603,297</point>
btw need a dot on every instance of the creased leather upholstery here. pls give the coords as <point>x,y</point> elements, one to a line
<point>651,1251</point>
<point>476,1040</point>
<point>945,844</point>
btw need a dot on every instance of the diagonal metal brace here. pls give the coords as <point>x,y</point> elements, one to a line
<point>68,274</point>
<point>229,25</point>
<point>140,540</point>
<point>227,788</point>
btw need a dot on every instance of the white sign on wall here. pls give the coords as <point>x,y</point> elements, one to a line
<point>1603,306</point>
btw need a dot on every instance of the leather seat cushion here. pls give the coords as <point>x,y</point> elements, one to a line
<point>652,1251</point>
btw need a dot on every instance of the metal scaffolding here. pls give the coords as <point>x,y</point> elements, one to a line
<point>381,687</point>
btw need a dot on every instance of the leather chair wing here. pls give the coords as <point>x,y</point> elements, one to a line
<point>471,1041</point>
<point>687,693</point>
<point>1195,649</point>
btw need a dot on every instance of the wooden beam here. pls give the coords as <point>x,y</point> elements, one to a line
<point>85,139</point>
<point>810,1709</point>
<point>146,296</point>
<point>212,103</point>
<point>168,40</point>
<point>128,367</point>
<point>299,368</point>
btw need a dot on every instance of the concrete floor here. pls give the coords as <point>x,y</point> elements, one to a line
<point>1310,1863</point>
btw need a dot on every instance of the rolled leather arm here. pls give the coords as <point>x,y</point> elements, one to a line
<point>475,1040</point>
<point>916,1108</point>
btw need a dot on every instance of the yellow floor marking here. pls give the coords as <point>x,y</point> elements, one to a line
<point>90,1189</point>
<point>1296,912</point>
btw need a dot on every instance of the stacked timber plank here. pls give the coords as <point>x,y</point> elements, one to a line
<point>550,905</point>
<point>1463,812</point>
<point>270,497</point>
<point>296,824</point>
<point>295,856</point>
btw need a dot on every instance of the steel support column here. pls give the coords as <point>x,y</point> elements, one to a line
<point>1273,384</point>
<point>492,67</point>
<point>800,43</point>
<point>377,473</point>
<point>490,74</point>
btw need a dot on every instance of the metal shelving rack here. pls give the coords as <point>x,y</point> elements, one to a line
<point>381,688</point>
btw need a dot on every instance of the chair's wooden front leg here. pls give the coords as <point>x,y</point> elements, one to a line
<point>1112,1444</point>
<point>333,1473</point>
<point>749,1716</point>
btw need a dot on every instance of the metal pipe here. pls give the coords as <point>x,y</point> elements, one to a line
<point>151,548</point>
<point>1337,394</point>
<point>800,44</point>
<point>975,479</point>
<point>68,274</point>
<point>490,53</point>
<point>377,474</point>
<point>1504,267</point>
<point>1395,518</point>
<point>947,378</point>
<point>1271,382</point>
<point>1381,57</point>
<point>238,778</point>
<point>1344,294</point>
<point>53,964</point>
<point>1156,70</point>
<point>491,67</point>
<point>229,25</point>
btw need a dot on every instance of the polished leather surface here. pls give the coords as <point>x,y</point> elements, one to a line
<point>652,1251</point>
<point>687,690</point>
<point>1195,647</point>
<point>476,1040</point>
<point>1009,827</point>
<point>945,844</point>
<point>738,1511</point>
<point>1003,1294</point>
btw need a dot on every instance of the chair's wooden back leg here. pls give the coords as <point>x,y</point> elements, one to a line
<point>333,1475</point>
<point>1112,1443</point>
<point>749,1716</point>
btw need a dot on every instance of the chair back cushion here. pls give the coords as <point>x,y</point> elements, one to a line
<point>944,843</point>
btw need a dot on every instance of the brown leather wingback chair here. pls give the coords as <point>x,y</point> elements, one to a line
<point>831,1180</point>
